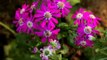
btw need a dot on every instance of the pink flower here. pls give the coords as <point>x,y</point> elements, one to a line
<point>63,6</point>
<point>86,29</point>
<point>79,16</point>
<point>84,42</point>
<point>47,14</point>
<point>46,33</point>
<point>29,25</point>
<point>91,18</point>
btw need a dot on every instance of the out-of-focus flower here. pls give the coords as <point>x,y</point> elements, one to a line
<point>46,52</point>
<point>47,33</point>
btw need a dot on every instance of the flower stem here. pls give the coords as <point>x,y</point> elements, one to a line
<point>8,28</point>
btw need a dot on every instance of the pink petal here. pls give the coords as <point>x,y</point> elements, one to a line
<point>55,21</point>
<point>56,31</point>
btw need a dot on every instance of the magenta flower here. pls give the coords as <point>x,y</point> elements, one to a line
<point>24,23</point>
<point>47,14</point>
<point>47,33</point>
<point>84,42</point>
<point>79,16</point>
<point>63,6</point>
<point>86,29</point>
<point>29,25</point>
<point>91,18</point>
<point>19,20</point>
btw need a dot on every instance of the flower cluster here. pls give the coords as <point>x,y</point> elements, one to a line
<point>41,21</point>
<point>86,22</point>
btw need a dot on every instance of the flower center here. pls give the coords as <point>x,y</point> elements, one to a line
<point>47,52</point>
<point>83,43</point>
<point>47,33</point>
<point>47,15</point>
<point>29,24</point>
<point>87,29</point>
<point>79,16</point>
<point>22,10</point>
<point>60,5</point>
<point>20,22</point>
<point>92,16</point>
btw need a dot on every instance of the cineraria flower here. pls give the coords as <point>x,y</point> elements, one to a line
<point>25,24</point>
<point>63,6</point>
<point>47,33</point>
<point>91,18</point>
<point>29,25</point>
<point>86,29</point>
<point>55,44</point>
<point>79,16</point>
<point>46,52</point>
<point>47,14</point>
<point>84,42</point>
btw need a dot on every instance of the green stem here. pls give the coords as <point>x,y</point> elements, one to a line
<point>6,27</point>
